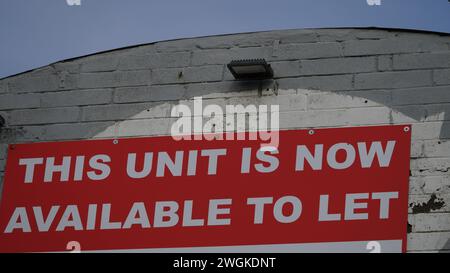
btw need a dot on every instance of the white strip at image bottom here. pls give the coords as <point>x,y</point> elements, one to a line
<point>382,246</point>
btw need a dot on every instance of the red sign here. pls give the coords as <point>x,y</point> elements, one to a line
<point>322,190</point>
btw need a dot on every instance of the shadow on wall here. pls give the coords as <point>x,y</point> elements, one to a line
<point>446,248</point>
<point>10,134</point>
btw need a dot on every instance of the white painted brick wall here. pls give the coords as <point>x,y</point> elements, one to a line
<point>323,78</point>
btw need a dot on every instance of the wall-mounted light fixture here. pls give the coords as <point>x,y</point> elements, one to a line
<point>253,69</point>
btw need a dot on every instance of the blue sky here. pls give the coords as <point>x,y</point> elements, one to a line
<point>35,33</point>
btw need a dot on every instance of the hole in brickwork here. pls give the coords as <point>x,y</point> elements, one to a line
<point>409,228</point>
<point>2,122</point>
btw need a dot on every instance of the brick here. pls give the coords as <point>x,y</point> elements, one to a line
<point>149,93</point>
<point>442,77</point>
<point>430,166</point>
<point>17,134</point>
<point>222,89</point>
<point>134,62</point>
<point>19,101</point>
<point>437,148</point>
<point>68,66</point>
<point>203,74</point>
<point>167,76</point>
<point>416,185</point>
<point>429,241</point>
<point>156,60</point>
<point>75,131</point>
<point>100,63</point>
<point>430,130</point>
<point>333,118</point>
<point>287,103</point>
<point>69,81</point>
<point>422,61</point>
<point>175,59</point>
<point>127,111</point>
<point>282,69</point>
<point>390,80</point>
<point>352,99</point>
<point>44,116</point>
<point>385,63</point>
<point>189,74</point>
<point>391,46</point>
<point>26,83</point>
<point>324,83</point>
<point>114,79</point>
<point>144,127</point>
<point>338,66</point>
<point>156,110</point>
<point>430,184</point>
<point>307,51</point>
<point>74,98</point>
<point>417,149</point>
<point>421,95</point>
<point>113,112</point>
<point>221,102</point>
<point>426,222</point>
<point>440,163</point>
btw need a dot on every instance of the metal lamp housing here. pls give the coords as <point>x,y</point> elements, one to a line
<point>252,69</point>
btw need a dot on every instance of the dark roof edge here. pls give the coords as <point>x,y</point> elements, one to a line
<point>229,34</point>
